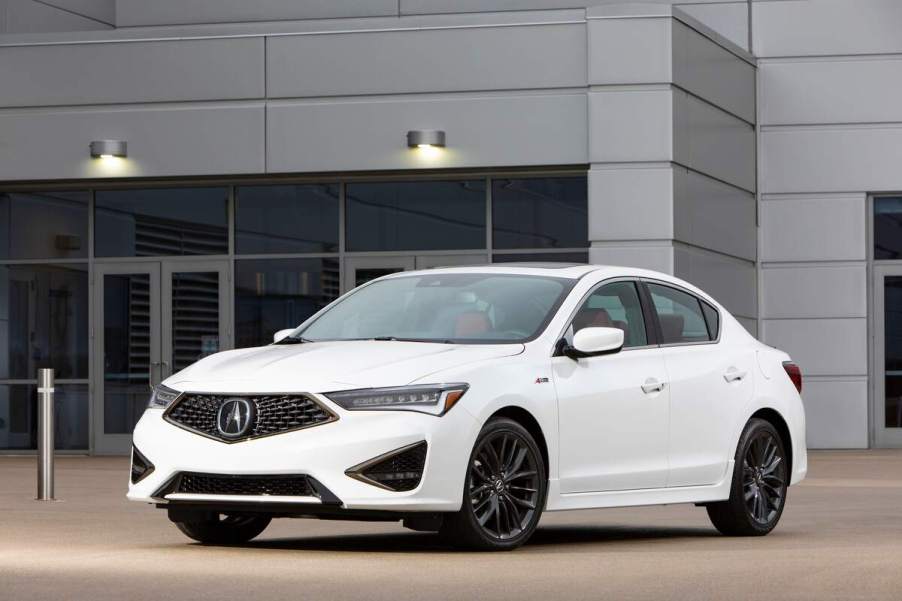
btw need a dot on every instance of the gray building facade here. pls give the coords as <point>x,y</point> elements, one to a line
<point>749,147</point>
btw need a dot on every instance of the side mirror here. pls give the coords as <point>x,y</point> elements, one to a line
<point>282,334</point>
<point>590,342</point>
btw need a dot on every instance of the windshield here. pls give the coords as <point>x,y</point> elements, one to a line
<point>464,308</point>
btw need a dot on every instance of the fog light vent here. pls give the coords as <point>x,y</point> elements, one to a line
<point>399,470</point>
<point>141,467</point>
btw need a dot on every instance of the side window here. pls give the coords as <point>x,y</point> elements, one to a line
<point>713,320</point>
<point>614,306</point>
<point>680,315</point>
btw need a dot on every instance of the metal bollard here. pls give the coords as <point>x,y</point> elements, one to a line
<point>45,434</point>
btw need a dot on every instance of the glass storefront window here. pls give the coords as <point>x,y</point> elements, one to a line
<point>274,294</point>
<point>425,215</point>
<point>573,257</point>
<point>161,222</point>
<point>286,219</point>
<point>43,320</point>
<point>888,228</point>
<point>19,416</point>
<point>44,225</point>
<point>549,212</point>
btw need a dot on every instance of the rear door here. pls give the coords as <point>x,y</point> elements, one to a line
<point>710,382</point>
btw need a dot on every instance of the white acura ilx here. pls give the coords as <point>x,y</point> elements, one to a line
<point>469,400</point>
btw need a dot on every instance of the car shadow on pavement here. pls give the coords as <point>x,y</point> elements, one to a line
<point>416,542</point>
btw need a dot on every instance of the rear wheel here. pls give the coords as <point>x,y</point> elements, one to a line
<point>224,529</point>
<point>760,484</point>
<point>504,491</point>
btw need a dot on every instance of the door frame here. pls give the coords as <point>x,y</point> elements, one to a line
<point>352,264</point>
<point>883,437</point>
<point>160,271</point>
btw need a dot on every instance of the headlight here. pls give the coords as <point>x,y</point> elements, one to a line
<point>434,399</point>
<point>162,397</point>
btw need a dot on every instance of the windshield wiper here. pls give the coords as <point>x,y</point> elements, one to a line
<point>423,340</point>
<point>293,340</point>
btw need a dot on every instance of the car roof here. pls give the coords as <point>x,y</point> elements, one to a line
<point>573,271</point>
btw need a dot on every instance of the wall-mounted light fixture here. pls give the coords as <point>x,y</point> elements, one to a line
<point>426,138</point>
<point>104,149</point>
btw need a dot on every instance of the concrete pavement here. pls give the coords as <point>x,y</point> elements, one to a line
<point>840,538</point>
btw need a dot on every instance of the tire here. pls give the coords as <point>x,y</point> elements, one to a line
<point>223,529</point>
<point>759,487</point>
<point>500,510</point>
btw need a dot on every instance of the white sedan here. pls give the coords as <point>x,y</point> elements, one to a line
<point>469,400</point>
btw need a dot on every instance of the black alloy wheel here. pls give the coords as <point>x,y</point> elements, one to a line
<point>760,484</point>
<point>224,529</point>
<point>504,491</point>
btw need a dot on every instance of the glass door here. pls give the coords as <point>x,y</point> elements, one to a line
<point>127,350</point>
<point>152,319</point>
<point>360,270</point>
<point>888,356</point>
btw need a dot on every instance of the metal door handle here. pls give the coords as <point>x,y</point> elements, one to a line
<point>651,385</point>
<point>150,367</point>
<point>734,375</point>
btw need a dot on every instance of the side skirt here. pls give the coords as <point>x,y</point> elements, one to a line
<point>631,498</point>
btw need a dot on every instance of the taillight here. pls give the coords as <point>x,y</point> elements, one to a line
<point>794,373</point>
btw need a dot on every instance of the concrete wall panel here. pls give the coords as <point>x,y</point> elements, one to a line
<point>713,73</point>
<point>832,159</point>
<point>836,413</point>
<point>815,291</point>
<point>484,58</point>
<point>631,203</point>
<point>847,90</point>
<point>28,16</point>
<point>542,129</point>
<point>827,27</point>
<point>131,13</point>
<point>822,347</point>
<point>630,125</point>
<point>813,228</point>
<point>629,51</point>
<point>729,19</point>
<point>652,254</point>
<point>733,282</point>
<point>713,142</point>
<point>165,141</point>
<point>714,215</point>
<point>213,69</point>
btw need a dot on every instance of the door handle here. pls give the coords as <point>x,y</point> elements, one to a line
<point>652,385</point>
<point>150,367</point>
<point>734,375</point>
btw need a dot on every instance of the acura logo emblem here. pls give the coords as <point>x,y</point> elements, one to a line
<point>234,418</point>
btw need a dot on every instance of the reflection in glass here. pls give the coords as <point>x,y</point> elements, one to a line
<point>892,352</point>
<point>888,228</point>
<point>126,350</point>
<point>572,257</point>
<point>158,222</point>
<point>275,294</point>
<point>43,320</point>
<point>540,213</point>
<point>19,416</point>
<point>287,219</point>
<point>44,225</point>
<point>195,317</point>
<point>427,215</point>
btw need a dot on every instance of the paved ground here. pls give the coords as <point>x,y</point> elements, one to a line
<point>840,538</point>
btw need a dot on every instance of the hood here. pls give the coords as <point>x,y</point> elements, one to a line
<point>325,366</point>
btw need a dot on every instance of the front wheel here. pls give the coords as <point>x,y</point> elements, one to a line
<point>504,490</point>
<point>760,484</point>
<point>224,529</point>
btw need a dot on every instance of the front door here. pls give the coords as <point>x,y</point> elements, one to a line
<point>613,409</point>
<point>888,356</point>
<point>152,319</point>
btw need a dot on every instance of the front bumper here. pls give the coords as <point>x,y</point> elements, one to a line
<point>323,453</point>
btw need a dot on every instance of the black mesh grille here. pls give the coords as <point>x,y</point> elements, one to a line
<point>273,414</point>
<point>402,471</point>
<point>216,484</point>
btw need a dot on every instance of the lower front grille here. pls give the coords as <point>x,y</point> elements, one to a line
<point>400,470</point>
<point>219,484</point>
